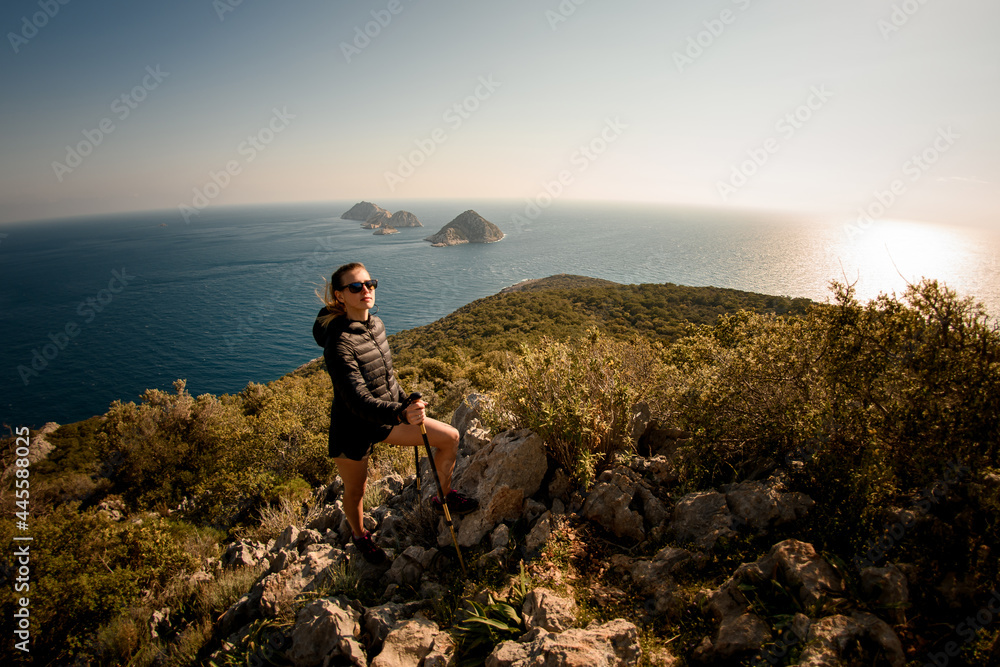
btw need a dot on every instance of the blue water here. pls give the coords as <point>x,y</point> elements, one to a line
<point>228,299</point>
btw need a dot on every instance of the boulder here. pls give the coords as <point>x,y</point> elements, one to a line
<point>758,505</point>
<point>740,635</point>
<point>501,476</point>
<point>327,628</point>
<point>654,578</point>
<point>408,567</point>
<point>243,554</point>
<point>887,587</point>
<point>612,644</point>
<point>832,638</point>
<point>540,533</point>
<point>379,621</point>
<point>407,644</point>
<point>702,518</point>
<point>542,608</point>
<point>608,503</point>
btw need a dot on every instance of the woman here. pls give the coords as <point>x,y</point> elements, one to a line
<point>368,403</point>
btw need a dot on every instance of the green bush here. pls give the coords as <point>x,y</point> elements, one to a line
<point>578,395</point>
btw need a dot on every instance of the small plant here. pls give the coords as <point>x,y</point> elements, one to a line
<point>483,628</point>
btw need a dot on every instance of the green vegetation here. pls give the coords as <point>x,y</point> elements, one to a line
<point>872,408</point>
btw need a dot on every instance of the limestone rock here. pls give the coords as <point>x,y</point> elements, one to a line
<point>243,554</point>
<point>759,505</point>
<point>326,628</point>
<point>832,637</point>
<point>542,608</point>
<point>540,533</point>
<point>407,644</point>
<point>887,586</point>
<point>702,518</point>
<point>612,644</point>
<point>739,635</point>
<point>608,503</point>
<point>501,476</point>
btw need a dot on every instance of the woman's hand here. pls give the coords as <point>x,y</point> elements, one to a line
<point>415,412</point>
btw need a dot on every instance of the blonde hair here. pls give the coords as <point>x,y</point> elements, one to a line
<point>328,297</point>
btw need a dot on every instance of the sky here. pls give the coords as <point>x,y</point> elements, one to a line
<point>881,107</point>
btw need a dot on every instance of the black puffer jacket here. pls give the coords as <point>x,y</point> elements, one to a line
<point>366,396</point>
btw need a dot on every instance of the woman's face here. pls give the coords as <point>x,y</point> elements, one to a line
<point>357,305</point>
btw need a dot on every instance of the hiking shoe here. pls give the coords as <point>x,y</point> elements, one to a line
<point>370,551</point>
<point>457,503</point>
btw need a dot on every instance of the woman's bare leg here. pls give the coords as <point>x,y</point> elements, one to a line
<point>354,475</point>
<point>442,437</point>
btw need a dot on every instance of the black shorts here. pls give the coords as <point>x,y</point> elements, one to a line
<point>355,448</point>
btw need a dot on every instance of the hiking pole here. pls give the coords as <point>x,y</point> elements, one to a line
<point>416,450</point>
<point>444,502</point>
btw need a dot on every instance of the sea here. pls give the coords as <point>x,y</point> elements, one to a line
<point>100,309</point>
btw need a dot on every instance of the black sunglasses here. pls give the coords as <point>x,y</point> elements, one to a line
<point>356,287</point>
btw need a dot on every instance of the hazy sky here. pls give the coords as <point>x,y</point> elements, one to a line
<point>114,105</point>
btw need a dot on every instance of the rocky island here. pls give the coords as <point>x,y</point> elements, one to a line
<point>363,211</point>
<point>469,227</point>
<point>376,217</point>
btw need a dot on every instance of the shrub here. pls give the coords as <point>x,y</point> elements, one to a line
<point>578,395</point>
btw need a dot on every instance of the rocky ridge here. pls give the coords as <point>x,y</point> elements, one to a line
<point>516,486</point>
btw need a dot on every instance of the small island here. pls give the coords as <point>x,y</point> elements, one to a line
<point>373,216</point>
<point>469,227</point>
<point>382,231</point>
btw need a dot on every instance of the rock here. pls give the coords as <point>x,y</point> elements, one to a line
<point>739,635</point>
<point>379,621</point>
<point>442,653</point>
<point>407,644</point>
<point>408,567</point>
<point>608,504</point>
<point>702,518</point>
<point>159,623</point>
<point>654,578</point>
<point>760,506</point>
<point>362,211</point>
<point>814,578</point>
<point>469,227</point>
<point>887,586</point>
<point>469,413</point>
<point>290,575</point>
<point>405,219</point>
<point>501,476</point>
<point>327,628</point>
<point>613,644</point>
<point>39,447</point>
<point>327,518</point>
<point>376,220</point>
<point>639,420</point>
<point>500,537</point>
<point>542,608</point>
<point>287,538</point>
<point>832,637</point>
<point>560,485</point>
<point>540,533</point>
